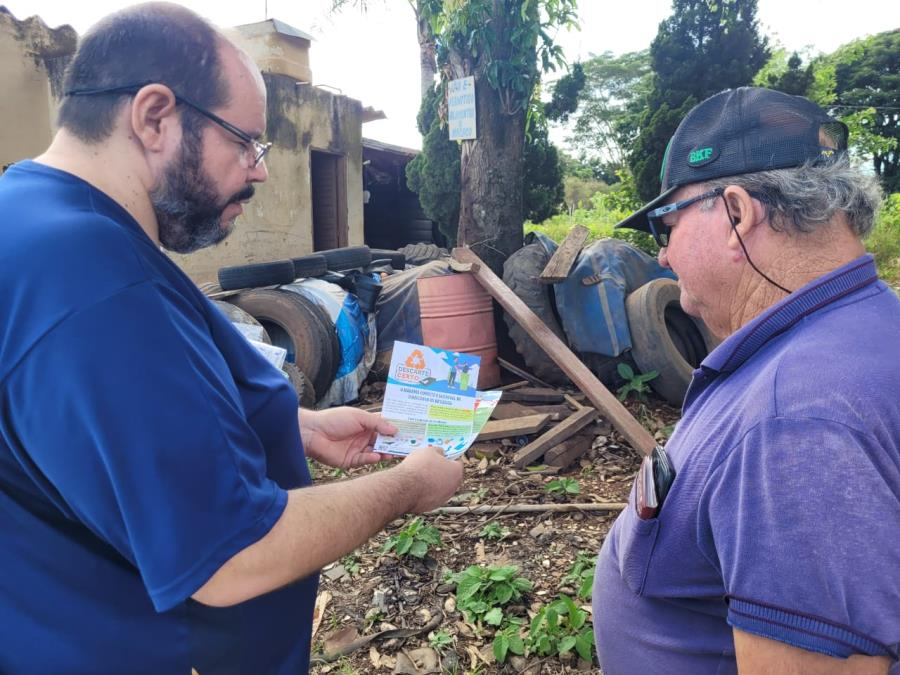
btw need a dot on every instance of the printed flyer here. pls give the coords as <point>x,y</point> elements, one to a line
<point>432,400</point>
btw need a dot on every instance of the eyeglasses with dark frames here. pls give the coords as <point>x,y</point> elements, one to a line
<point>259,149</point>
<point>660,230</point>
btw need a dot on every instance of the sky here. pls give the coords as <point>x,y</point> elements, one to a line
<point>374,56</point>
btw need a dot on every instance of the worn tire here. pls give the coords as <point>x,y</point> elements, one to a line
<point>347,258</point>
<point>254,276</point>
<point>521,273</point>
<point>306,395</point>
<point>396,258</point>
<point>419,254</point>
<point>293,324</point>
<point>664,338</point>
<point>419,231</point>
<point>334,343</point>
<point>236,315</point>
<point>309,266</point>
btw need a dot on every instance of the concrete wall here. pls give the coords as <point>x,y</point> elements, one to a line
<point>277,224</point>
<point>32,60</point>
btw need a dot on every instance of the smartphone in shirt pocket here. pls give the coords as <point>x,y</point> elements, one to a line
<point>653,482</point>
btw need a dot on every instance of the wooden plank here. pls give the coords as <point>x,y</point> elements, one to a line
<point>566,429</point>
<point>521,426</point>
<point>572,402</point>
<point>563,259</point>
<point>509,411</point>
<point>514,385</point>
<point>569,450</point>
<point>515,370</point>
<point>639,438</point>
<point>535,395</point>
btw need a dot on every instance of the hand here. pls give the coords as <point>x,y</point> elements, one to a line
<point>343,437</point>
<point>436,477</point>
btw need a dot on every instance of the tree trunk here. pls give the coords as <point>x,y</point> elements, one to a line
<point>491,175</point>
<point>427,53</point>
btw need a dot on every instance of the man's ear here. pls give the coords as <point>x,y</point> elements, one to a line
<point>745,214</point>
<point>154,121</point>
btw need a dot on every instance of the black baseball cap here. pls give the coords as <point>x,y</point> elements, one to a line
<point>740,131</point>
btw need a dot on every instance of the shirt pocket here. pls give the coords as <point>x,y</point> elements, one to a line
<point>635,548</point>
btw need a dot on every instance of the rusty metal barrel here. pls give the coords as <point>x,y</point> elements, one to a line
<point>458,314</point>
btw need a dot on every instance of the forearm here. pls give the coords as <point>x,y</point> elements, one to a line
<point>319,525</point>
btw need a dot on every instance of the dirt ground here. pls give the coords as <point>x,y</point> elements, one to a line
<point>371,591</point>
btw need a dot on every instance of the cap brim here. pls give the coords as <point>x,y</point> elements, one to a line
<point>638,219</point>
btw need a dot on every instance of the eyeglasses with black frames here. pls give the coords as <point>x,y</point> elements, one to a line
<point>662,230</point>
<point>256,150</point>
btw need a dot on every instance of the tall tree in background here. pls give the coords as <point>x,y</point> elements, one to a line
<point>614,94</point>
<point>867,96</point>
<point>505,45</point>
<point>705,46</point>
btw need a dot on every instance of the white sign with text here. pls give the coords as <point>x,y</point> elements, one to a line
<point>461,108</point>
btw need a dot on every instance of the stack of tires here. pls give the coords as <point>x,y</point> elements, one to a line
<point>663,337</point>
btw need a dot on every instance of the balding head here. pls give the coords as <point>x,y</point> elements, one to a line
<point>153,42</point>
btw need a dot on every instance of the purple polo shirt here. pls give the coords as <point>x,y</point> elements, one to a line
<point>783,518</point>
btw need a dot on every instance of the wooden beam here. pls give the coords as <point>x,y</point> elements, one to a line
<point>521,426</point>
<point>509,411</point>
<point>512,385</point>
<point>639,438</point>
<point>569,450</point>
<point>535,395</point>
<point>515,370</point>
<point>566,429</point>
<point>564,258</point>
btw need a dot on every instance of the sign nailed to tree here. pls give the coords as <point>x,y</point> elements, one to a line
<point>461,108</point>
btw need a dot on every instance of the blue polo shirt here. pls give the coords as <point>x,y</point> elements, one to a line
<point>782,520</point>
<point>143,443</point>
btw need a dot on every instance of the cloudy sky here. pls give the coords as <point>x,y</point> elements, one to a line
<point>373,57</point>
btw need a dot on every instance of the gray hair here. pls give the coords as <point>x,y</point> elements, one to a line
<point>806,198</point>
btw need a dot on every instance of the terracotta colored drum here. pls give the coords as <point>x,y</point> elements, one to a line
<point>458,314</point>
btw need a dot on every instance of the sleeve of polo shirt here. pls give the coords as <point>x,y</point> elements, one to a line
<point>129,415</point>
<point>804,515</point>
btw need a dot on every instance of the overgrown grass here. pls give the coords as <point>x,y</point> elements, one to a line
<point>601,217</point>
<point>884,241</point>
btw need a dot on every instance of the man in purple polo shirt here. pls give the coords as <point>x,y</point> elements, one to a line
<point>774,550</point>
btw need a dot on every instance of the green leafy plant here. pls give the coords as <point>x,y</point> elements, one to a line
<point>565,486</point>
<point>414,539</point>
<point>494,530</point>
<point>508,640</point>
<point>558,628</point>
<point>440,640</point>
<point>482,592</point>
<point>634,382</point>
<point>351,563</point>
<point>581,575</point>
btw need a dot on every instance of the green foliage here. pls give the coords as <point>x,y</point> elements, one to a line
<point>351,563</point>
<point>786,74</point>
<point>508,640</point>
<point>433,174</point>
<point>634,382</point>
<point>581,575</point>
<point>867,88</point>
<point>414,539</point>
<point>703,47</point>
<point>543,180</point>
<point>609,107</point>
<point>440,640</point>
<point>482,592</point>
<point>494,530</point>
<point>558,628</point>
<point>884,241</point>
<point>563,486</point>
<point>566,92</point>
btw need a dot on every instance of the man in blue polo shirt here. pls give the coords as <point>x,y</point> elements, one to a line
<point>774,550</point>
<point>156,513</point>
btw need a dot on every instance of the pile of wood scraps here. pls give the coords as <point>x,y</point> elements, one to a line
<point>554,429</point>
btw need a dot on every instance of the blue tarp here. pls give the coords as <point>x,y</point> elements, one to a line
<point>593,317</point>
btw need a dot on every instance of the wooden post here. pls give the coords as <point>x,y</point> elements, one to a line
<point>560,264</point>
<point>639,438</point>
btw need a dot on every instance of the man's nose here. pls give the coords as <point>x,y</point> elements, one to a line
<point>260,172</point>
<point>663,257</point>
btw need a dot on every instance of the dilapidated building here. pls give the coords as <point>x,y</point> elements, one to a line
<point>315,197</point>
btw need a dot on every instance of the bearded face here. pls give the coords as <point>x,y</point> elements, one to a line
<point>187,205</point>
